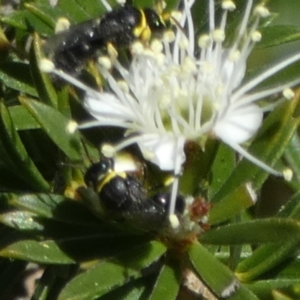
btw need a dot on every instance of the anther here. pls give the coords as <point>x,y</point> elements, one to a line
<point>288,93</point>
<point>105,62</point>
<point>261,11</point>
<point>46,65</point>
<point>108,150</point>
<point>256,36</point>
<point>72,127</point>
<point>228,5</point>
<point>62,24</point>
<point>218,35</point>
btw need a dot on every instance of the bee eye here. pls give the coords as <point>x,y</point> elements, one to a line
<point>97,171</point>
<point>164,199</point>
<point>154,21</point>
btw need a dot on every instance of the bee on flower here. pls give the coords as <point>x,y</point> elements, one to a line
<point>169,95</point>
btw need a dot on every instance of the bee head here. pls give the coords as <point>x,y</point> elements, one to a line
<point>97,171</point>
<point>154,21</point>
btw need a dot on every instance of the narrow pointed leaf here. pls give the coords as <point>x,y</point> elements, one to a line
<point>263,288</point>
<point>55,124</point>
<point>221,169</point>
<point>47,252</point>
<point>17,76</point>
<point>265,258</point>
<point>134,290</point>
<point>23,166</point>
<point>197,166</point>
<point>111,274</point>
<point>277,295</point>
<point>291,209</point>
<point>20,220</point>
<point>290,270</point>
<point>42,20</point>
<point>16,19</point>
<point>243,293</point>
<point>293,158</point>
<point>221,280</point>
<point>4,43</point>
<point>40,204</point>
<point>278,34</point>
<point>22,119</point>
<point>167,284</point>
<point>55,207</point>
<point>42,81</point>
<point>231,205</point>
<point>82,11</point>
<point>43,13</point>
<point>253,232</point>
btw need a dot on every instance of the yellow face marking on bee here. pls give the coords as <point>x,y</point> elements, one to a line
<point>142,30</point>
<point>109,177</point>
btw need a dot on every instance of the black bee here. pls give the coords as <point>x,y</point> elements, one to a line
<point>70,49</point>
<point>124,196</point>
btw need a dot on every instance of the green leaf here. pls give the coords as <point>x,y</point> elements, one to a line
<point>290,270</point>
<point>16,76</point>
<point>17,158</point>
<point>82,242</point>
<point>42,205</point>
<point>43,14</point>
<point>109,275</point>
<point>167,284</point>
<point>22,119</point>
<point>42,81</point>
<point>16,19</point>
<point>292,208</point>
<point>40,18</point>
<point>47,252</point>
<point>277,295</point>
<point>278,34</point>
<point>243,293</point>
<point>221,280</point>
<point>253,232</point>
<point>264,288</point>
<point>59,208</point>
<point>134,290</point>
<point>23,220</point>
<point>4,45</point>
<point>197,166</point>
<point>81,10</point>
<point>269,144</point>
<point>265,258</point>
<point>292,157</point>
<point>55,124</point>
<point>224,162</point>
<point>231,205</point>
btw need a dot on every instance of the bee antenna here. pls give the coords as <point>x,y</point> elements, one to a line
<point>177,24</point>
<point>86,151</point>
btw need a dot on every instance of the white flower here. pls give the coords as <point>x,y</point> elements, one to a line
<point>169,95</point>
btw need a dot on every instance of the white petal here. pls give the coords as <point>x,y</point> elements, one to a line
<point>163,151</point>
<point>239,125</point>
<point>107,106</point>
